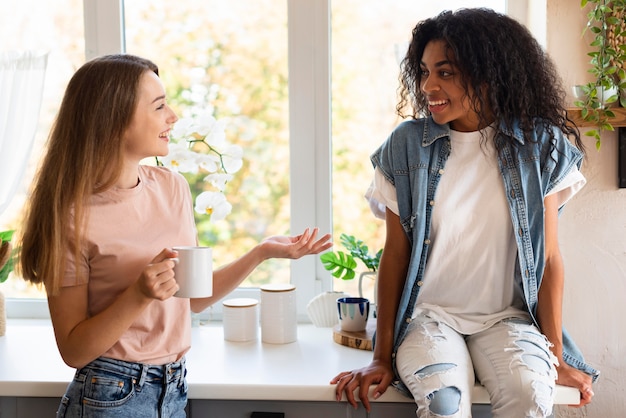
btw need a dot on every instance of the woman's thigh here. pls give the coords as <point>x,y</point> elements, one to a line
<point>512,359</point>
<point>434,363</point>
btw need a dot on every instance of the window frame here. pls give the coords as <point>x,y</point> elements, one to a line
<point>309,49</point>
<point>309,132</point>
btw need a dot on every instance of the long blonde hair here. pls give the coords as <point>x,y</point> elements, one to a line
<point>84,156</point>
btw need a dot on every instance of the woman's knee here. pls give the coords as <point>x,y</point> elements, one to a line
<point>439,390</point>
<point>445,401</point>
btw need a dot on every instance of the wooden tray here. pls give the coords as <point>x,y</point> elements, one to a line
<point>361,340</point>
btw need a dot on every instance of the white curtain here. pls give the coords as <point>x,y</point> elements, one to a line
<point>21,89</point>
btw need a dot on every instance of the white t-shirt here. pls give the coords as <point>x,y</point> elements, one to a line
<point>468,280</point>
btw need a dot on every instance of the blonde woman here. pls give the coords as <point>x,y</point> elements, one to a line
<point>99,233</point>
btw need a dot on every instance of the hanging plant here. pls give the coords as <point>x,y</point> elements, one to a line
<point>605,20</point>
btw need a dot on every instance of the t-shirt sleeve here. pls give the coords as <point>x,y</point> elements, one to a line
<point>569,186</point>
<point>76,269</point>
<point>381,194</point>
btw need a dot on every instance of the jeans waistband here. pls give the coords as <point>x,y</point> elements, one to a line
<point>140,371</point>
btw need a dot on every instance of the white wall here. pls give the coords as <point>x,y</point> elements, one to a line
<point>592,235</point>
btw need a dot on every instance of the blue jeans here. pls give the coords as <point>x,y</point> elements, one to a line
<point>511,359</point>
<point>108,388</point>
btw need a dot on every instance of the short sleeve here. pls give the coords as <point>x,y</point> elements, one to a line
<point>381,194</point>
<point>569,186</point>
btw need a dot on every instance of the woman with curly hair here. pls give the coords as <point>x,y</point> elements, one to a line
<point>470,284</point>
<point>99,235</point>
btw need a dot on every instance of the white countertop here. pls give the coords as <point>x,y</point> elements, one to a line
<point>30,365</point>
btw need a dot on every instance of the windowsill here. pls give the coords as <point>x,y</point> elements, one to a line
<point>30,365</point>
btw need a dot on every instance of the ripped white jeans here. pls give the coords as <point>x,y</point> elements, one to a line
<point>511,360</point>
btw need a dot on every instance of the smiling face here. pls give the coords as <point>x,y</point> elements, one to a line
<point>149,129</point>
<point>448,101</point>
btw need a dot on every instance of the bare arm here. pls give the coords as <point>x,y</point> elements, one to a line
<point>391,279</point>
<point>228,277</point>
<point>80,338</point>
<point>550,303</point>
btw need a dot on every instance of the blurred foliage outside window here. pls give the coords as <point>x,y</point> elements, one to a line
<point>230,58</point>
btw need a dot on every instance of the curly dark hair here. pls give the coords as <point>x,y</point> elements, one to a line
<point>500,61</point>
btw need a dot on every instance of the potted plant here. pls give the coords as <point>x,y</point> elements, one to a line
<point>322,309</point>
<point>6,266</point>
<point>605,20</point>
<point>342,265</point>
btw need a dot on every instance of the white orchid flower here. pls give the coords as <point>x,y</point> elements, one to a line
<point>216,137</point>
<point>213,204</point>
<point>219,180</point>
<point>204,124</point>
<point>210,130</point>
<point>232,158</point>
<point>208,162</point>
<point>180,158</point>
<point>183,128</point>
<point>199,144</point>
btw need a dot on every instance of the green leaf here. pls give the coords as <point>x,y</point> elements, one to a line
<point>606,126</point>
<point>358,249</point>
<point>340,264</point>
<point>6,269</point>
<point>6,235</point>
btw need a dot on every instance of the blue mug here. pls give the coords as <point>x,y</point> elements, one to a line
<point>353,313</point>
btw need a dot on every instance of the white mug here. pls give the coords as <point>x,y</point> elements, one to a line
<point>194,272</point>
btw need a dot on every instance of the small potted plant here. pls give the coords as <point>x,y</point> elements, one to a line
<point>6,266</point>
<point>342,265</point>
<point>322,309</point>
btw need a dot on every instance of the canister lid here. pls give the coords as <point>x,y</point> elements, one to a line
<point>240,302</point>
<point>278,287</point>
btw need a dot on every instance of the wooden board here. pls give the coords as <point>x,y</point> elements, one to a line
<point>361,340</point>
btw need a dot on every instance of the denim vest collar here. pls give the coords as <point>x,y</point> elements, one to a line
<point>434,131</point>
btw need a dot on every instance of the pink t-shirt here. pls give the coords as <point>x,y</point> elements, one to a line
<point>126,229</point>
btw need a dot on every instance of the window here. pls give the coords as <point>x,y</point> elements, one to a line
<point>230,59</point>
<point>270,67</point>
<point>369,39</point>
<point>54,26</point>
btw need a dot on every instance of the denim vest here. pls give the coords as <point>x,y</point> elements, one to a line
<point>413,160</point>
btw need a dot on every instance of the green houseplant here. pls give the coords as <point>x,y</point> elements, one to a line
<point>322,309</point>
<point>342,265</point>
<point>605,20</point>
<point>6,266</point>
<point>6,256</point>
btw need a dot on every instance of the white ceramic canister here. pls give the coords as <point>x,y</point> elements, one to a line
<point>279,322</point>
<point>240,319</point>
